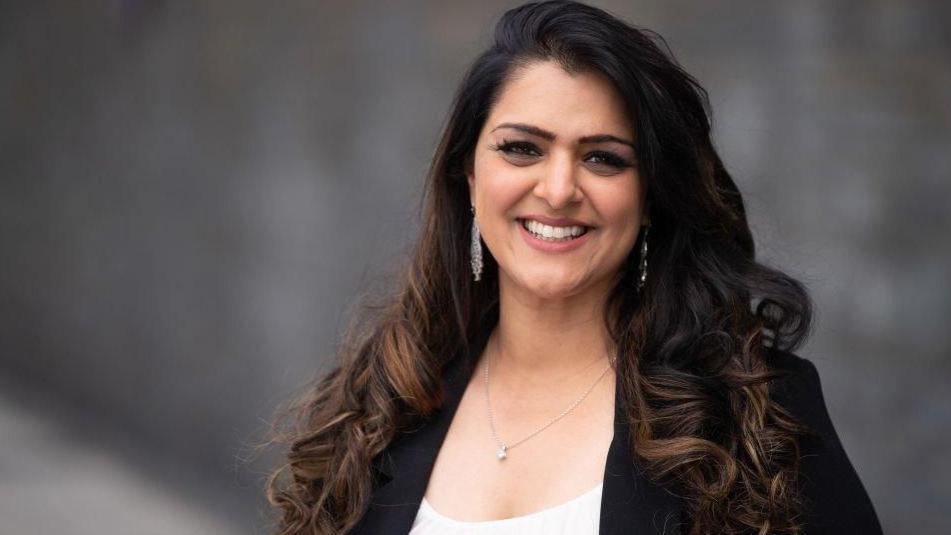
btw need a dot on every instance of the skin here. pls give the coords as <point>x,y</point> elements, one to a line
<point>550,345</point>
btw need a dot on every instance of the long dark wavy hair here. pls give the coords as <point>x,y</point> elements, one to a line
<point>694,344</point>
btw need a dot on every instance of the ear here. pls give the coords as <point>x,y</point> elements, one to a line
<point>470,178</point>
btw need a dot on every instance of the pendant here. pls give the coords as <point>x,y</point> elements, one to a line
<point>501,453</point>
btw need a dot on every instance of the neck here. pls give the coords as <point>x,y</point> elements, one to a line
<point>544,341</point>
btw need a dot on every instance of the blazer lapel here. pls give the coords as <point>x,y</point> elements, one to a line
<point>630,502</point>
<point>403,468</point>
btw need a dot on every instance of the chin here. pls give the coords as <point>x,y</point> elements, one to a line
<point>552,287</point>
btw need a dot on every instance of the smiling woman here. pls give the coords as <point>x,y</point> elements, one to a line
<point>539,369</point>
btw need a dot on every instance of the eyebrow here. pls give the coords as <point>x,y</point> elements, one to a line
<point>545,134</point>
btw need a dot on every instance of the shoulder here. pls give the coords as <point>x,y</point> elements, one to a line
<point>798,387</point>
<point>836,500</point>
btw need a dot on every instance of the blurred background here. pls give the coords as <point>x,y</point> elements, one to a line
<point>192,195</point>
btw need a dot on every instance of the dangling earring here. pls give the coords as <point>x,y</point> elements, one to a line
<point>475,248</point>
<point>642,269</point>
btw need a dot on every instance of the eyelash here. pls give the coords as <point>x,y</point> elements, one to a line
<point>608,158</point>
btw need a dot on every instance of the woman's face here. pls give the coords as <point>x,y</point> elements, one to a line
<point>556,155</point>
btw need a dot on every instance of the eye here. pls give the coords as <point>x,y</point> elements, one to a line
<point>610,159</point>
<point>517,148</point>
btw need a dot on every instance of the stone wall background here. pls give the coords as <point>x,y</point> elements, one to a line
<point>193,193</point>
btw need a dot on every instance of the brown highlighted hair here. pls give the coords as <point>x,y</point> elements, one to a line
<point>693,345</point>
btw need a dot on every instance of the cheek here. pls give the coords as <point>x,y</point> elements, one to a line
<point>499,188</point>
<point>620,203</point>
<point>620,208</point>
<point>625,226</point>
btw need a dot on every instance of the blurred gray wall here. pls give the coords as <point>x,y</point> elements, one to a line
<point>193,193</point>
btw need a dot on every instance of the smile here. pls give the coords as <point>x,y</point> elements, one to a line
<point>552,233</point>
<point>553,239</point>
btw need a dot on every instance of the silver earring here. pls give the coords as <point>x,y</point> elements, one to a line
<point>642,269</point>
<point>475,248</point>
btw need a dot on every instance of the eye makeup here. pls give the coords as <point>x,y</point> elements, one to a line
<point>526,150</point>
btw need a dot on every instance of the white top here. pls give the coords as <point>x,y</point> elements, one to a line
<point>579,516</point>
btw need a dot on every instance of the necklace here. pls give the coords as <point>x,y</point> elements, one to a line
<point>503,447</point>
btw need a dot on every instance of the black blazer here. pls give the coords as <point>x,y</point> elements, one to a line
<point>630,502</point>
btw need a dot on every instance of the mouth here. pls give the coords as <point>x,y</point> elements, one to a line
<point>551,233</point>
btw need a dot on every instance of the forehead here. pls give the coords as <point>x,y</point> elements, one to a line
<point>572,105</point>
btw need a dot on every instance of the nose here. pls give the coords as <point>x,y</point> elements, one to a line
<point>558,184</point>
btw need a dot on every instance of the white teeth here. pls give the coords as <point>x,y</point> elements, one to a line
<point>552,233</point>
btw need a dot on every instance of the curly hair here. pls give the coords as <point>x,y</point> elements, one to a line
<point>693,345</point>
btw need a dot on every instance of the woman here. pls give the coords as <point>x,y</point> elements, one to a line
<point>582,341</point>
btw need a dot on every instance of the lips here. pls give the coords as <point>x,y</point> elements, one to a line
<point>571,238</point>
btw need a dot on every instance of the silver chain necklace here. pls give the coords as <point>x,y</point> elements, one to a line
<point>503,448</point>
